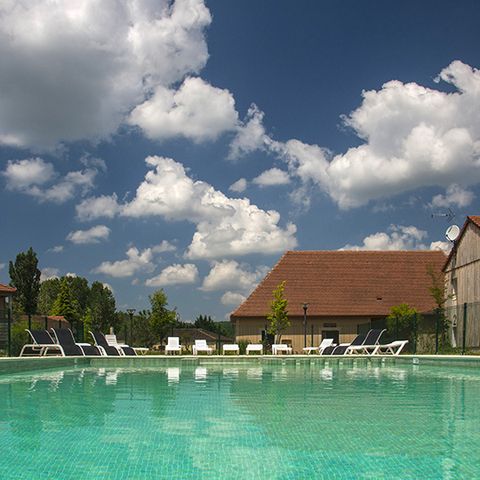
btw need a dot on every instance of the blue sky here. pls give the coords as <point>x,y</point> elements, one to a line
<point>187,145</point>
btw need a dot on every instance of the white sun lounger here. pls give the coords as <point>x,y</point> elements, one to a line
<point>254,347</point>
<point>173,345</point>
<point>278,348</point>
<point>393,348</point>
<point>326,342</point>
<point>201,346</point>
<point>124,348</point>
<point>231,347</point>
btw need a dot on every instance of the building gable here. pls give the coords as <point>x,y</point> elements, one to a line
<point>466,248</point>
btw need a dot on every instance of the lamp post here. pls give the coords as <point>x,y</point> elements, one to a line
<point>130,312</point>
<point>305,308</point>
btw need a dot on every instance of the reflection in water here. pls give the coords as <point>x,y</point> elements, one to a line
<point>254,373</point>
<point>111,377</point>
<point>200,374</point>
<point>275,421</point>
<point>230,372</point>
<point>173,374</point>
<point>326,373</point>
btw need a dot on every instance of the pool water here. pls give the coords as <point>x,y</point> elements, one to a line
<point>246,421</point>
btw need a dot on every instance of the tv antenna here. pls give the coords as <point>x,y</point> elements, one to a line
<point>449,215</point>
<point>452,233</point>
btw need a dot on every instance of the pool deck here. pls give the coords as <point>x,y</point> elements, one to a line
<point>25,364</point>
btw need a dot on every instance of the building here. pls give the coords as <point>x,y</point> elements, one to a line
<point>347,292</point>
<point>6,294</point>
<point>462,278</point>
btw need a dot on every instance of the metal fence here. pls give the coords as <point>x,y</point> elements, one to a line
<point>464,326</point>
<point>5,332</point>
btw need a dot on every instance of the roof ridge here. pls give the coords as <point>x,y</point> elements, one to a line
<point>263,281</point>
<point>426,250</point>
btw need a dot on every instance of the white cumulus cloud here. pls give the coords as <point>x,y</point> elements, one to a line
<point>73,70</point>
<point>92,235</point>
<point>49,273</point>
<point>164,246</point>
<point>455,195</point>
<point>22,174</point>
<point>231,275</point>
<point>175,274</point>
<point>232,298</point>
<point>271,177</point>
<point>136,261</point>
<point>39,179</point>
<point>413,137</point>
<point>105,206</point>
<point>250,134</point>
<point>224,226</point>
<point>397,237</point>
<point>443,246</point>
<point>239,186</point>
<point>196,111</point>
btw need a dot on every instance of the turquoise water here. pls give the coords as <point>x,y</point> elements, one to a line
<point>237,422</point>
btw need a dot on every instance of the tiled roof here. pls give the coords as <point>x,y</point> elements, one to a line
<point>347,282</point>
<point>475,219</point>
<point>7,289</point>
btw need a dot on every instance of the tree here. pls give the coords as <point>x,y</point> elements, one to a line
<point>438,293</point>
<point>25,277</point>
<point>101,305</point>
<point>161,318</point>
<point>49,290</point>
<point>66,304</point>
<point>278,316</point>
<point>403,320</point>
<point>80,290</point>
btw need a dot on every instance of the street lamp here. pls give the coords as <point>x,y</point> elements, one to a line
<point>305,308</point>
<point>130,312</point>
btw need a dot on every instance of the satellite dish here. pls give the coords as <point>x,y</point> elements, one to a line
<point>452,232</point>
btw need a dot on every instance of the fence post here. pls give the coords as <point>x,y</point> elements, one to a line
<point>46,322</point>
<point>437,327</point>
<point>9,331</point>
<point>464,339</point>
<point>311,342</point>
<point>415,332</point>
<point>218,342</point>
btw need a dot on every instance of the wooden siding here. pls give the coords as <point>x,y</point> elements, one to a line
<point>462,276</point>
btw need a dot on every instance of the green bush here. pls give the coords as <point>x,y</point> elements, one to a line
<point>20,337</point>
<point>242,345</point>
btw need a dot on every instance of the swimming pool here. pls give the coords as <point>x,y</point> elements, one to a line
<point>241,421</point>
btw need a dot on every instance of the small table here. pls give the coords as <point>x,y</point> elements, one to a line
<point>254,347</point>
<point>279,348</point>
<point>231,347</point>
<point>141,350</point>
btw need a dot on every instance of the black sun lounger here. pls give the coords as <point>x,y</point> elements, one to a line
<point>101,342</point>
<point>65,338</point>
<point>342,348</point>
<point>42,343</point>
<point>370,344</point>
